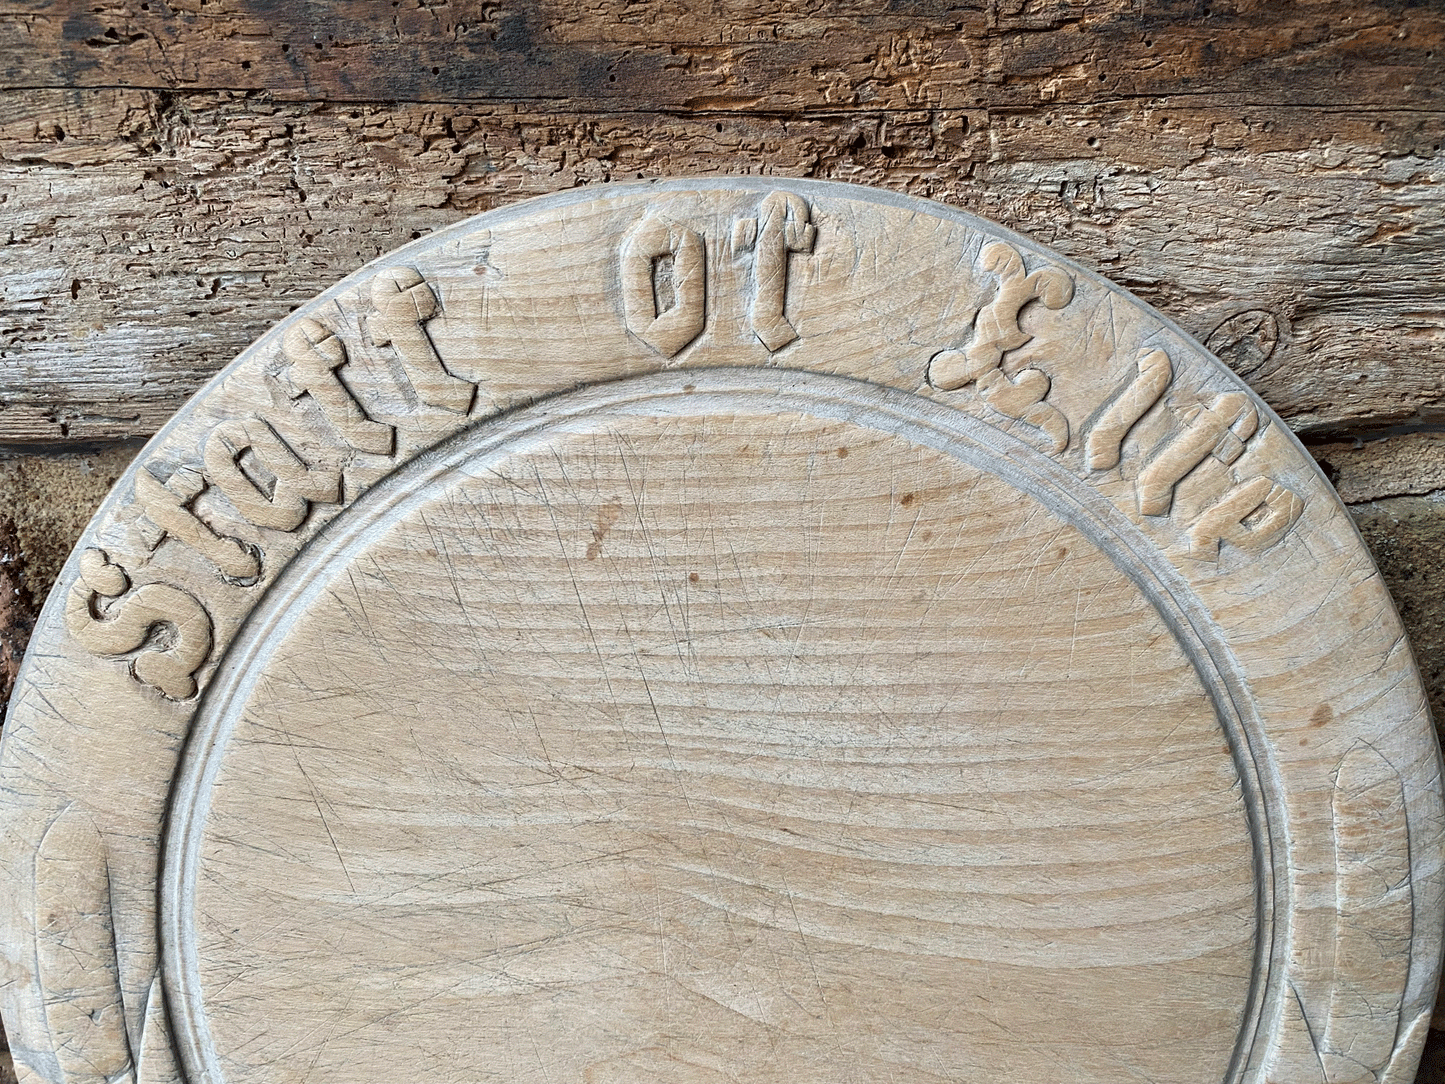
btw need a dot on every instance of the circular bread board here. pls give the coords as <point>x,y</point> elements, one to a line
<point>721,631</point>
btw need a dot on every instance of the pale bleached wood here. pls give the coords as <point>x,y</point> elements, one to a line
<point>722,630</point>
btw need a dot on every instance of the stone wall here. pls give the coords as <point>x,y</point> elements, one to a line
<point>175,177</point>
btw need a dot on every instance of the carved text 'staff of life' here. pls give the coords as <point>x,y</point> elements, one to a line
<point>721,631</point>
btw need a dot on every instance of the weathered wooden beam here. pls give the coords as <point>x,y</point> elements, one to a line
<point>151,235</point>
<point>751,55</point>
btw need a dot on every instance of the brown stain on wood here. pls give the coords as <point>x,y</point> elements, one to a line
<point>606,518</point>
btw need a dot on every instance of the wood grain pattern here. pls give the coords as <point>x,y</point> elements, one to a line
<point>612,54</point>
<point>711,789</point>
<point>76,952</point>
<point>728,630</point>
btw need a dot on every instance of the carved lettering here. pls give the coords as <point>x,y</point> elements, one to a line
<point>168,664</point>
<point>1375,901</point>
<point>781,228</point>
<point>1253,516</point>
<point>1219,429</point>
<point>996,332</point>
<point>315,354</point>
<point>1022,397</point>
<point>661,258</point>
<point>1106,437</point>
<point>167,506</point>
<point>996,328</point>
<point>76,951</point>
<point>404,303</point>
<point>823,481</point>
<point>283,504</point>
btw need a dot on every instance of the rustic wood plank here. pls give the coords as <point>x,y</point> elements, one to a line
<point>761,56</point>
<point>1408,464</point>
<point>151,236</point>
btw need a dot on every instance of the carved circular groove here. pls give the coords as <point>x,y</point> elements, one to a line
<point>721,631</point>
<point>879,587</point>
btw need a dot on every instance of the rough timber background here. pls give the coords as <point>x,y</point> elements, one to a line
<point>175,177</point>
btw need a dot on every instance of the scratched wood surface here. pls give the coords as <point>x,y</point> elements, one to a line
<point>177,177</point>
<point>721,631</point>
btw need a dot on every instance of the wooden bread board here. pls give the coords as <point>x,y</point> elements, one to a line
<point>721,631</point>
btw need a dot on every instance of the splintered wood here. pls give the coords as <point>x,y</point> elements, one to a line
<point>177,177</point>
<point>721,631</point>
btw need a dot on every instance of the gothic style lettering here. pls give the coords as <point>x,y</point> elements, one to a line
<point>167,506</point>
<point>996,332</point>
<point>802,527</point>
<point>1219,429</point>
<point>281,505</point>
<point>315,354</point>
<point>1106,437</point>
<point>1252,515</point>
<point>168,664</point>
<point>781,228</point>
<point>996,328</point>
<point>404,303</point>
<point>1022,397</point>
<point>664,284</point>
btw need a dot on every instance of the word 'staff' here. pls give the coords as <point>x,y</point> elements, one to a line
<point>731,631</point>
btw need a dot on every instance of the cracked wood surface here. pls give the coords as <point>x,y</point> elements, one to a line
<point>175,177</point>
<point>760,57</point>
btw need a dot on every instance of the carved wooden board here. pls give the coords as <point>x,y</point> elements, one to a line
<point>721,631</point>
